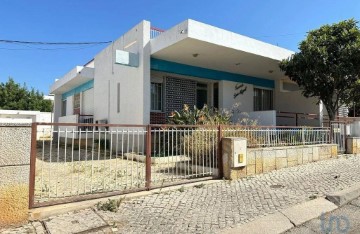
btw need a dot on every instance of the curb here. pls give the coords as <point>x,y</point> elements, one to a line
<point>286,219</point>
<point>342,197</point>
<point>291,217</point>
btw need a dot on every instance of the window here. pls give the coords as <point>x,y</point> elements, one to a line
<point>63,107</point>
<point>77,101</point>
<point>263,99</point>
<point>216,95</point>
<point>156,97</point>
<point>118,97</point>
<point>76,104</point>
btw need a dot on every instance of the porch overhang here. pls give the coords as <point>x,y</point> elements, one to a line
<point>76,77</point>
<point>205,46</point>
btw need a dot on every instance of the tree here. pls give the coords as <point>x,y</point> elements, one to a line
<point>327,65</point>
<point>13,96</point>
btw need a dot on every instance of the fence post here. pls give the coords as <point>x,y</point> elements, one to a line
<point>345,136</point>
<point>331,133</point>
<point>32,165</point>
<point>148,158</point>
<point>219,151</point>
<point>303,135</point>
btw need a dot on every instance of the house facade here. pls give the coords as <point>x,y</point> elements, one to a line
<point>147,73</point>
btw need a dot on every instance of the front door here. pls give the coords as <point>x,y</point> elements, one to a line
<point>201,95</point>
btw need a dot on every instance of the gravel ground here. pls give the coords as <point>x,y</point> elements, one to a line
<point>68,172</point>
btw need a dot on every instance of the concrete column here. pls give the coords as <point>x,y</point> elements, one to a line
<point>353,145</point>
<point>15,142</point>
<point>229,147</point>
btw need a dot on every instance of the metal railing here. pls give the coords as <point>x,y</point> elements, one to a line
<point>154,32</point>
<point>182,153</point>
<point>81,161</point>
<point>258,136</point>
<point>77,162</point>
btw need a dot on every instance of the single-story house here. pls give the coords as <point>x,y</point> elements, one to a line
<point>147,73</point>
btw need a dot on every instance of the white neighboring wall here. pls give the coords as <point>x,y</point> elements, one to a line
<point>19,116</point>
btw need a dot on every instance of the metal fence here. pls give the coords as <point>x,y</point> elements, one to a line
<point>82,161</point>
<point>183,152</point>
<point>258,136</point>
<point>154,32</point>
<point>338,134</point>
<point>79,160</point>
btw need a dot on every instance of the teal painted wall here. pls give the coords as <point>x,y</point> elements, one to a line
<point>79,89</point>
<point>187,70</point>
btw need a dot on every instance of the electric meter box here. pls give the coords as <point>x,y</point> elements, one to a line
<point>239,152</point>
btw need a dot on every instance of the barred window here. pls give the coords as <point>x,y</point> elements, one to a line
<point>77,101</point>
<point>156,97</point>
<point>263,99</point>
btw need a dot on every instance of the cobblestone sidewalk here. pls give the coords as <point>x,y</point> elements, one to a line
<point>210,208</point>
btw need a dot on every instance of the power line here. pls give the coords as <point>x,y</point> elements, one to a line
<point>53,43</point>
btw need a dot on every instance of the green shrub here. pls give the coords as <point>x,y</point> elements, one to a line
<point>201,146</point>
<point>204,116</point>
<point>111,205</point>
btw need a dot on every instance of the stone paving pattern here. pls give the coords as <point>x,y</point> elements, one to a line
<point>210,208</point>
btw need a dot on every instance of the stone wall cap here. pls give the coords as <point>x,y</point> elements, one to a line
<point>234,138</point>
<point>15,124</point>
<point>290,147</point>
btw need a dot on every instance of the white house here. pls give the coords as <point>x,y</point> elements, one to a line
<point>147,73</point>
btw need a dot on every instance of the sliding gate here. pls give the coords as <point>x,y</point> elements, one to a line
<point>72,162</point>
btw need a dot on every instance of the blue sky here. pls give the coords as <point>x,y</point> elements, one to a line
<point>279,22</point>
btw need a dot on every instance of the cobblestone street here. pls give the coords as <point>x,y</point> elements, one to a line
<point>210,208</point>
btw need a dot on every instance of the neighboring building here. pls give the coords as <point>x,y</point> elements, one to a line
<point>21,116</point>
<point>147,73</point>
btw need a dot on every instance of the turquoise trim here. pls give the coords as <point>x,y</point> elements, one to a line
<point>187,70</point>
<point>79,89</point>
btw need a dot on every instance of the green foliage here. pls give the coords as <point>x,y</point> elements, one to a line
<point>200,146</point>
<point>204,116</point>
<point>13,96</point>
<point>181,189</point>
<point>111,205</point>
<point>327,65</point>
<point>199,185</point>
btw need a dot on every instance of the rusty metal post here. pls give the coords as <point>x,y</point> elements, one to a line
<point>345,136</point>
<point>148,157</point>
<point>219,151</point>
<point>32,165</point>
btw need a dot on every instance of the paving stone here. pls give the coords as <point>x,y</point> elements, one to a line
<point>74,222</point>
<point>216,206</point>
